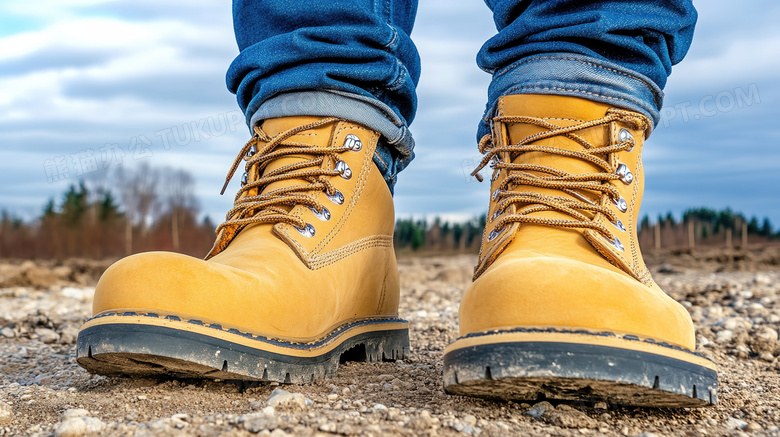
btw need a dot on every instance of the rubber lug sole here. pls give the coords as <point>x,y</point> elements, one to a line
<point>148,345</point>
<point>543,364</point>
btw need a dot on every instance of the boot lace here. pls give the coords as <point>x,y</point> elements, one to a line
<point>580,208</point>
<point>274,206</point>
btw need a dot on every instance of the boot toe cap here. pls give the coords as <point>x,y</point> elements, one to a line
<point>156,281</point>
<point>563,293</point>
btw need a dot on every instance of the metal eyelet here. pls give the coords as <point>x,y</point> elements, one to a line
<point>307,231</point>
<point>625,174</point>
<point>344,169</point>
<point>493,162</point>
<point>625,135</point>
<point>353,142</point>
<point>323,215</point>
<point>621,204</point>
<point>496,215</point>
<point>244,179</point>
<point>619,225</point>
<point>495,194</point>
<point>494,233</point>
<point>617,244</point>
<point>337,198</point>
<point>251,152</point>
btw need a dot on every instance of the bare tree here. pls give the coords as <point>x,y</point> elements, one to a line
<point>98,184</point>
<point>178,191</point>
<point>138,190</point>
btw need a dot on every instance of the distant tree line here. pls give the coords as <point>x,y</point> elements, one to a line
<point>438,236</point>
<point>150,208</point>
<point>710,226</point>
<point>705,227</point>
<point>113,214</point>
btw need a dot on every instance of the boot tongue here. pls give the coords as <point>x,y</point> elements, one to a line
<point>319,136</point>
<point>560,111</point>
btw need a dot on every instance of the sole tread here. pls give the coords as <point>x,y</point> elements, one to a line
<point>149,350</point>
<point>531,370</point>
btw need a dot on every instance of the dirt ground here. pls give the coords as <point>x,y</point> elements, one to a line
<point>734,298</point>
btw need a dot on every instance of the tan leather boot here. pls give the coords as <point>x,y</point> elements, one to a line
<point>302,275</point>
<point>562,305</point>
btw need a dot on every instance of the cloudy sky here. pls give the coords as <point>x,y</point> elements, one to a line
<point>110,82</point>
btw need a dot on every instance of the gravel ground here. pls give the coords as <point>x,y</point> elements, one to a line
<point>44,392</point>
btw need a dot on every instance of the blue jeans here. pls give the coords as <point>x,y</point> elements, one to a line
<point>355,59</point>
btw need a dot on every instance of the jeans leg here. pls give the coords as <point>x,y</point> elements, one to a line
<point>616,52</point>
<point>347,58</point>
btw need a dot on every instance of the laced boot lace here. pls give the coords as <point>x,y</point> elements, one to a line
<point>576,205</point>
<point>252,205</point>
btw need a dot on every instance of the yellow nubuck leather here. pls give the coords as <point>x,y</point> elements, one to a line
<point>305,278</point>
<point>568,276</point>
<point>560,260</point>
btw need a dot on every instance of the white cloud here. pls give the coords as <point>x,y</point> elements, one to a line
<point>92,72</point>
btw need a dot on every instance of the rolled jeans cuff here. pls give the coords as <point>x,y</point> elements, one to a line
<point>568,74</point>
<point>395,148</point>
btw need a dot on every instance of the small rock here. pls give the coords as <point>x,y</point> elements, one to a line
<point>77,293</point>
<point>256,422</point>
<point>469,430</point>
<point>281,397</point>
<point>767,333</point>
<point>648,434</point>
<point>733,423</point>
<point>600,406</point>
<point>329,427</point>
<point>72,413</point>
<point>80,426</point>
<point>179,420</point>
<point>470,420</point>
<point>736,324</point>
<point>379,407</point>
<point>568,417</point>
<point>753,427</point>
<point>762,279</point>
<point>47,335</point>
<point>6,414</point>
<point>539,409</point>
<point>7,332</point>
<point>764,341</point>
<point>333,397</point>
<point>68,334</point>
<point>724,336</point>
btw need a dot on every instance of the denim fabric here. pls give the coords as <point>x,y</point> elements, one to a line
<point>574,75</point>
<point>358,50</point>
<point>355,58</point>
<point>618,52</point>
